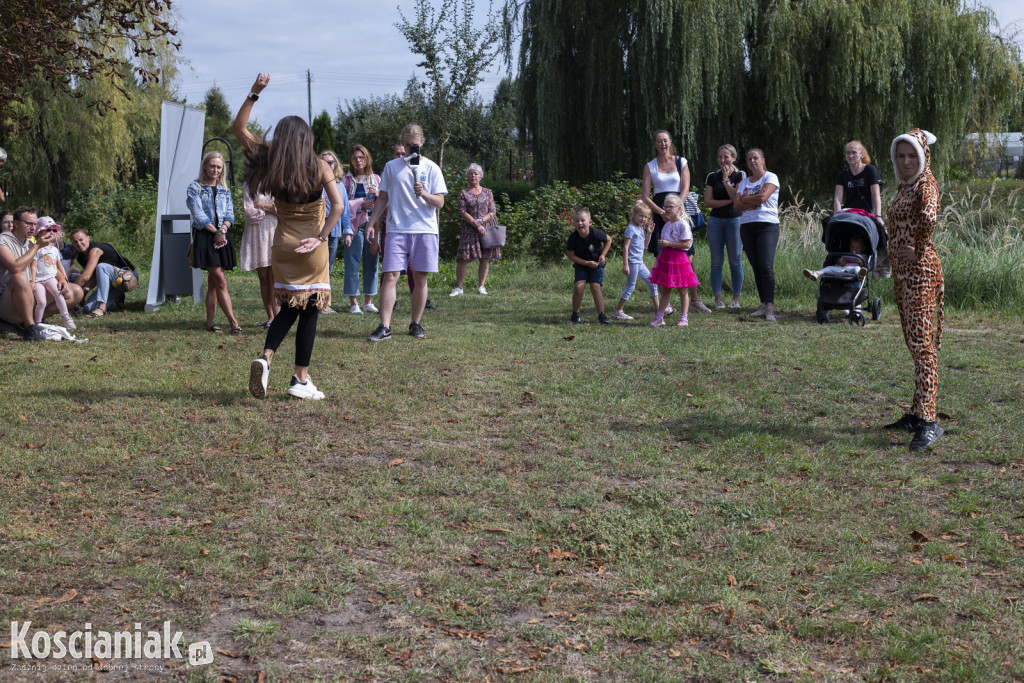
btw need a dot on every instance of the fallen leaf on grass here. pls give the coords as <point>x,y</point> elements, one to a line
<point>22,417</point>
<point>716,608</point>
<point>499,530</point>
<point>926,596</point>
<point>1010,599</point>
<point>570,337</point>
<point>204,551</point>
<point>556,554</point>
<point>919,537</point>
<point>229,653</point>
<point>167,469</point>
<point>732,580</point>
<point>516,669</point>
<point>675,654</point>
<point>262,678</point>
<point>67,597</point>
<point>396,462</point>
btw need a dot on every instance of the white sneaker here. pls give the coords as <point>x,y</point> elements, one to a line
<point>669,310</point>
<point>769,315</point>
<point>734,303</point>
<point>481,290</point>
<point>304,390</point>
<point>354,309</point>
<point>719,304</point>
<point>456,292</point>
<point>259,371</point>
<point>370,308</point>
<point>700,307</point>
<point>621,315</point>
<point>69,323</point>
<point>758,312</point>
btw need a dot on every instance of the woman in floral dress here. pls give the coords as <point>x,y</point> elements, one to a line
<point>476,208</point>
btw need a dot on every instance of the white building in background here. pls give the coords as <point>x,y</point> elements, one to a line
<point>999,153</point>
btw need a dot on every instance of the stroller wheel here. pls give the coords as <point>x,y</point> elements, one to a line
<point>876,308</point>
<point>822,316</point>
<point>857,318</point>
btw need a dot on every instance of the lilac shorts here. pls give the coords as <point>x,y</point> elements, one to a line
<point>417,251</point>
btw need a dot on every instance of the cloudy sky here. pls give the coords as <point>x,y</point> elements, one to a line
<point>352,50</point>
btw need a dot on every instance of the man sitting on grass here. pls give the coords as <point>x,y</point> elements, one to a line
<point>587,248</point>
<point>18,248</point>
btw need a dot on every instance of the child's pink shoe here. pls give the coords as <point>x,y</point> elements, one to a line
<point>69,323</point>
<point>659,321</point>
<point>683,321</point>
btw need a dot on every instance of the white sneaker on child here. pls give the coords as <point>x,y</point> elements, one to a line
<point>456,292</point>
<point>669,310</point>
<point>620,315</point>
<point>69,323</point>
<point>370,308</point>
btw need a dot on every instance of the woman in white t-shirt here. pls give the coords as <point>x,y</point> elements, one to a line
<point>757,197</point>
<point>663,175</point>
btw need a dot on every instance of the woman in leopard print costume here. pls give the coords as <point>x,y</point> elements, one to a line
<point>917,277</point>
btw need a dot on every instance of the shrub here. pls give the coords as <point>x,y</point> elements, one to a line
<point>124,216</point>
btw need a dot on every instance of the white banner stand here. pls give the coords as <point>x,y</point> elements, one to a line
<point>181,151</point>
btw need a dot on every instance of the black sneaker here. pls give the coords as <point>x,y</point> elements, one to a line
<point>925,435</point>
<point>907,423</point>
<point>415,330</point>
<point>380,334</point>
<point>574,318</point>
<point>430,305</point>
<point>603,319</point>
<point>32,333</point>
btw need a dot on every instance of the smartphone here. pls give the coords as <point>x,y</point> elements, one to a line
<point>414,155</point>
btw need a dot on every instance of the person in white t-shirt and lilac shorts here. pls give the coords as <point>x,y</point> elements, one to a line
<point>757,196</point>
<point>412,189</point>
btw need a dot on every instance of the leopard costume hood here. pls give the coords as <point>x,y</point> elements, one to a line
<point>920,140</point>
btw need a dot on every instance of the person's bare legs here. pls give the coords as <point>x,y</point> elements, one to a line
<point>388,287</point>
<point>266,277</point>
<point>595,291</point>
<point>577,295</point>
<point>218,294</point>
<point>419,295</point>
<point>460,273</point>
<point>481,272</point>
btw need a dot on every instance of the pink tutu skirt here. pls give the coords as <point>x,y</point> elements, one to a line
<point>673,270</point>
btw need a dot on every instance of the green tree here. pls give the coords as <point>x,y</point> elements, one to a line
<point>455,54</point>
<point>796,77</point>
<point>54,47</point>
<point>323,132</point>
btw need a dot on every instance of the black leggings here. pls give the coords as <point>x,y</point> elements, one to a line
<point>304,335</point>
<point>759,243</point>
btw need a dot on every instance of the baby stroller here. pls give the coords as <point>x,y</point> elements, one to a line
<point>847,292</point>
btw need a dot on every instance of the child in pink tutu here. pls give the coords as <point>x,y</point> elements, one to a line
<point>673,269</point>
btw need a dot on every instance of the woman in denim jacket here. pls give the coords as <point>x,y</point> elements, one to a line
<point>213,214</point>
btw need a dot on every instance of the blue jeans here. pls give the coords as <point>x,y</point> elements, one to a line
<point>100,294</point>
<point>360,251</point>
<point>332,253</point>
<point>724,234</point>
<point>638,270</point>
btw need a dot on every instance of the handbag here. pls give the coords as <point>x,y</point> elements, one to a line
<point>493,237</point>
<point>190,254</point>
<point>126,279</point>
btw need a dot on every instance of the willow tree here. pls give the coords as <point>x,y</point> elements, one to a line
<point>796,77</point>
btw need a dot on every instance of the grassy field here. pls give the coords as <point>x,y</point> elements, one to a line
<point>516,498</point>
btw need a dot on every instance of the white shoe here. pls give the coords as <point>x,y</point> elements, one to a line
<point>620,315</point>
<point>259,371</point>
<point>328,310</point>
<point>734,303</point>
<point>758,312</point>
<point>669,310</point>
<point>481,290</point>
<point>69,323</point>
<point>700,307</point>
<point>456,292</point>
<point>370,308</point>
<point>307,390</point>
<point>354,309</point>
<point>719,304</point>
<point>769,315</point>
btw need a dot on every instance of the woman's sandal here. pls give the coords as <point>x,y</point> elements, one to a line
<point>98,313</point>
<point>236,330</point>
<point>215,329</point>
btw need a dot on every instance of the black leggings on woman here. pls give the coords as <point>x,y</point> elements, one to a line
<point>304,335</point>
<point>759,243</point>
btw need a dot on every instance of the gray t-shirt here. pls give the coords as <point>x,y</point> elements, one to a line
<point>18,249</point>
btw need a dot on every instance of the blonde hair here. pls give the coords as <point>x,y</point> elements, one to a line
<point>863,150</point>
<point>411,130</point>
<point>675,200</point>
<point>639,209</point>
<point>339,172</point>
<point>730,149</point>
<point>224,170</point>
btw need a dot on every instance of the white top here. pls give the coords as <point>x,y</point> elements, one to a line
<point>47,259</point>
<point>407,213</point>
<point>665,182</point>
<point>767,212</point>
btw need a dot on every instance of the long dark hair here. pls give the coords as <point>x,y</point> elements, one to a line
<point>286,166</point>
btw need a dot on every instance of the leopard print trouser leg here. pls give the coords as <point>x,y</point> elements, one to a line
<point>917,301</point>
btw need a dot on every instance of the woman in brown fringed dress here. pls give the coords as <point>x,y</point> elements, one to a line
<point>287,168</point>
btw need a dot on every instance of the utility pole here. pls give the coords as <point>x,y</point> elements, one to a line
<point>309,95</point>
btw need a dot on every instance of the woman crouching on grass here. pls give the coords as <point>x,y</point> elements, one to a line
<point>287,168</point>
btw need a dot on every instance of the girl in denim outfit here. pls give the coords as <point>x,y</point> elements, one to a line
<point>213,214</point>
